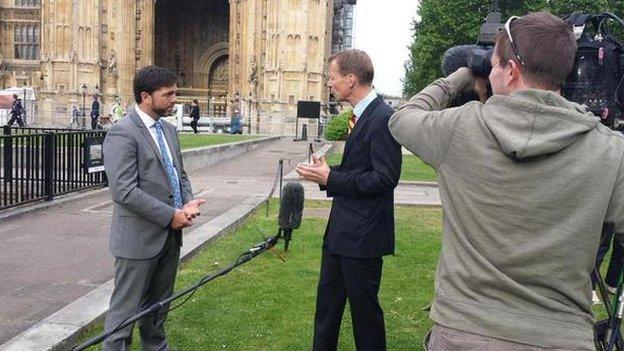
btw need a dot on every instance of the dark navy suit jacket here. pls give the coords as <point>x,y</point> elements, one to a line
<point>361,222</point>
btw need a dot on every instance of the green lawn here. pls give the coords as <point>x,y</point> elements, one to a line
<point>269,305</point>
<point>189,141</point>
<point>413,169</point>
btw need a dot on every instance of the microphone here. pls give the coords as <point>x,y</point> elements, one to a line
<point>456,57</point>
<point>291,210</point>
<point>476,58</point>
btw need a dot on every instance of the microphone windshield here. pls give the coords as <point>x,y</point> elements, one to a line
<point>456,57</point>
<point>291,206</point>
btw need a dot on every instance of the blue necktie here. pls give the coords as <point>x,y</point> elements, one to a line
<point>171,174</point>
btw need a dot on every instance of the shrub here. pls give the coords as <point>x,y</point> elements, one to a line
<point>338,127</point>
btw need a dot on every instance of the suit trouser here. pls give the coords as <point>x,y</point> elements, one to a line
<point>194,125</point>
<point>138,285</point>
<point>355,279</point>
<point>17,118</point>
<point>441,338</point>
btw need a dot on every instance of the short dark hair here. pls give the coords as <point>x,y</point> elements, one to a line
<point>150,79</point>
<point>195,101</point>
<point>15,96</point>
<point>356,62</point>
<point>545,43</point>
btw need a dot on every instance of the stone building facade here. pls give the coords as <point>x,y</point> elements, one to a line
<point>267,53</point>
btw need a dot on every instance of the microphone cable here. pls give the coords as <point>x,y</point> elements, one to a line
<point>246,256</point>
<point>242,258</point>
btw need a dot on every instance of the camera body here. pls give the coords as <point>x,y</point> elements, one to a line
<point>597,79</point>
<point>479,59</point>
<point>598,72</point>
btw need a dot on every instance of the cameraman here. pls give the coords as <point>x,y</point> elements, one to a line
<point>526,180</point>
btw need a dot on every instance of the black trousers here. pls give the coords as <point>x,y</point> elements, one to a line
<point>17,118</point>
<point>94,122</point>
<point>194,125</point>
<point>355,279</point>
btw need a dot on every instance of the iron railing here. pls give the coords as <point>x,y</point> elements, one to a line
<point>39,164</point>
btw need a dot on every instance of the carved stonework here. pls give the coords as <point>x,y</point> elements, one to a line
<point>216,47</point>
<point>111,64</point>
<point>253,70</point>
<point>1,67</point>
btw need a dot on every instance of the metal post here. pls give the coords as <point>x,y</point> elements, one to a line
<point>84,88</point>
<point>84,110</point>
<point>7,149</point>
<point>281,177</point>
<point>24,106</point>
<point>296,129</point>
<point>48,166</point>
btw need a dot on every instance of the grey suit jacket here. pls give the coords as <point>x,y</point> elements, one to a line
<point>142,196</point>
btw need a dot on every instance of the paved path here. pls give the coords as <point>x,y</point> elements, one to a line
<point>409,194</point>
<point>52,257</point>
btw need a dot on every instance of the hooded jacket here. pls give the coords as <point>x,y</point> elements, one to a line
<point>526,182</point>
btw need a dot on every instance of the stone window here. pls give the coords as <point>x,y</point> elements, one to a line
<point>27,42</point>
<point>28,3</point>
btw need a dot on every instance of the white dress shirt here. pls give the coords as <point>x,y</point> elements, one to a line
<point>363,104</point>
<point>149,123</point>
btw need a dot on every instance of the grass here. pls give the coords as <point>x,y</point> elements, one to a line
<point>189,141</point>
<point>269,305</point>
<point>413,168</point>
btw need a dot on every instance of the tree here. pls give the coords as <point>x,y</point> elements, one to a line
<point>444,24</point>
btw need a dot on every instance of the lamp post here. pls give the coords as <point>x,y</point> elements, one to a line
<point>84,108</point>
<point>24,104</point>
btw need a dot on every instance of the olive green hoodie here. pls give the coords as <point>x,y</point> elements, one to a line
<point>526,182</point>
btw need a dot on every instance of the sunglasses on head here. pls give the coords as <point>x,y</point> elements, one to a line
<point>514,48</point>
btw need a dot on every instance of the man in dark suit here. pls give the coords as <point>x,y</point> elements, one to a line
<point>16,111</point>
<point>194,115</point>
<point>361,223</point>
<point>95,112</point>
<point>153,201</point>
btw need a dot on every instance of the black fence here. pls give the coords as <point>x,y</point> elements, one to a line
<point>41,163</point>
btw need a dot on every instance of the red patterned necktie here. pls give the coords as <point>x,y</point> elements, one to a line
<point>352,121</point>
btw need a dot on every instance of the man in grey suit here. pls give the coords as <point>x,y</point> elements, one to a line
<point>153,201</point>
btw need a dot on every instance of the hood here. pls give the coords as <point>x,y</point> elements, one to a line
<point>532,123</point>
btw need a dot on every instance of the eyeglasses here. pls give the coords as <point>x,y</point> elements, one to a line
<point>511,41</point>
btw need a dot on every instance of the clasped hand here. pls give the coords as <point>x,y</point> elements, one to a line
<point>184,217</point>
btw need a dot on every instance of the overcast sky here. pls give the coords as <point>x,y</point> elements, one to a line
<point>383,29</point>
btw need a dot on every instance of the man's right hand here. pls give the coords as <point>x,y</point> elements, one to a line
<point>180,221</point>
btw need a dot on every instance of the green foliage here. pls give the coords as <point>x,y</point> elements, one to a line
<point>338,127</point>
<point>444,24</point>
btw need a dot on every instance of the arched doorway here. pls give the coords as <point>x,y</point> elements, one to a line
<point>218,76</point>
<point>186,30</point>
<point>218,84</point>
